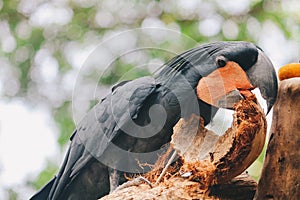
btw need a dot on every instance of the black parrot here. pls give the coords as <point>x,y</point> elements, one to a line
<point>134,123</point>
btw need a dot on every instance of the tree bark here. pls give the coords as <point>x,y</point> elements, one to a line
<point>280,177</point>
<point>242,187</point>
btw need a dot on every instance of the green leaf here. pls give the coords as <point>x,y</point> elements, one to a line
<point>64,121</point>
<point>44,176</point>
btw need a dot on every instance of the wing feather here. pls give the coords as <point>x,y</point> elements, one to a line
<point>101,124</point>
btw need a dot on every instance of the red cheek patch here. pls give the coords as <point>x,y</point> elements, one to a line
<point>220,82</point>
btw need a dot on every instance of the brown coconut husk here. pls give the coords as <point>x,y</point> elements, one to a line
<point>207,161</point>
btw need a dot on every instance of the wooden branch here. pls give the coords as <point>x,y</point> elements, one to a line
<point>240,188</point>
<point>280,177</point>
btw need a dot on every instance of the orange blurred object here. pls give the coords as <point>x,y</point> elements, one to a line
<point>289,71</point>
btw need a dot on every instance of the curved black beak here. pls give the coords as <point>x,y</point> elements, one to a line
<point>245,68</point>
<point>263,76</point>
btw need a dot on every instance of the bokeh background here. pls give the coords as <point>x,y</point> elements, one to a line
<point>44,44</point>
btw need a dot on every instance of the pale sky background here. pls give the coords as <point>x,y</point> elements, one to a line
<point>20,153</point>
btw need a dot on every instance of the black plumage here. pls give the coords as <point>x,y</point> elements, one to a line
<point>134,123</point>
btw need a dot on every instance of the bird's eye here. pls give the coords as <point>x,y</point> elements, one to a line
<point>221,61</point>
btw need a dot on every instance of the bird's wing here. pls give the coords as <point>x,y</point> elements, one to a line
<point>101,124</point>
<point>106,119</point>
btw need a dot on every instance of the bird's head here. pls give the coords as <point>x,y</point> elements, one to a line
<point>232,71</point>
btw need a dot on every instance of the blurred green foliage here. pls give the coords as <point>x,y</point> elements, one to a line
<point>44,176</point>
<point>65,122</point>
<point>44,43</point>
